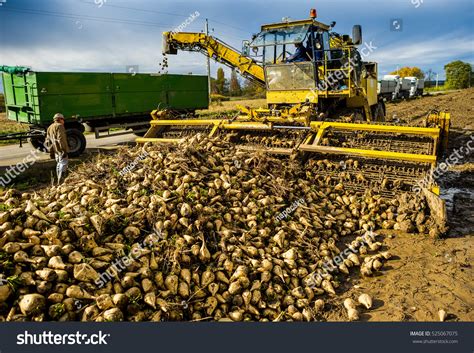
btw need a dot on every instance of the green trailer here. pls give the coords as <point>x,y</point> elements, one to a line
<point>97,101</point>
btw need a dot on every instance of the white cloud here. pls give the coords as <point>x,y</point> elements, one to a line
<point>425,52</point>
<point>105,59</point>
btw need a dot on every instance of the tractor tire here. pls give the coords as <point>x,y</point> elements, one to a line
<point>378,112</point>
<point>137,132</point>
<point>38,144</point>
<point>76,141</point>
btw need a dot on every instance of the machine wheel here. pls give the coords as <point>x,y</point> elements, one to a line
<point>378,112</point>
<point>38,143</point>
<point>358,116</point>
<point>76,141</point>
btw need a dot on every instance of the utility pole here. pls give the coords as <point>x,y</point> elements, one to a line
<point>208,65</point>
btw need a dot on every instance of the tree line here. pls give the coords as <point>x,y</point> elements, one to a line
<point>233,87</point>
<point>458,74</point>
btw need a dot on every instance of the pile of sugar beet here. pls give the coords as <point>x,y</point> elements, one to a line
<point>200,231</point>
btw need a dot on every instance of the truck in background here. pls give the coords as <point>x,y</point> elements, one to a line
<point>393,87</point>
<point>389,87</point>
<point>96,102</point>
<point>412,87</point>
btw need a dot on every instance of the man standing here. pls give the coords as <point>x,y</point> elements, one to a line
<point>56,140</point>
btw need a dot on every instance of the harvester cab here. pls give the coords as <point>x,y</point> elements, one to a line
<point>315,71</point>
<point>298,58</point>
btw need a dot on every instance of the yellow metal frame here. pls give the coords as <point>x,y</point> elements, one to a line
<point>420,158</point>
<point>443,120</point>
<point>218,50</point>
<point>255,121</point>
<point>322,127</point>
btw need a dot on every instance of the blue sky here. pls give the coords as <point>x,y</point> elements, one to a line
<point>108,35</point>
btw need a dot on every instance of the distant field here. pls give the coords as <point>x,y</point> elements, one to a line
<point>8,126</point>
<point>233,105</point>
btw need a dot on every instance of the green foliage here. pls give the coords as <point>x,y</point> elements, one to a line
<point>220,81</point>
<point>458,74</point>
<point>4,207</point>
<point>234,88</point>
<point>435,89</point>
<point>254,90</point>
<point>409,72</point>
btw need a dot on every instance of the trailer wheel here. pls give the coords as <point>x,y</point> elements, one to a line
<point>137,131</point>
<point>378,112</point>
<point>38,143</point>
<point>76,141</point>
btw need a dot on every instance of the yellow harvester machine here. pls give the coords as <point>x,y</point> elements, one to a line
<point>322,104</point>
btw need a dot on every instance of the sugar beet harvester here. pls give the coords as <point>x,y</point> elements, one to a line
<point>323,106</point>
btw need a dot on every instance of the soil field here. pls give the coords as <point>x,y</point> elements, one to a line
<point>233,105</point>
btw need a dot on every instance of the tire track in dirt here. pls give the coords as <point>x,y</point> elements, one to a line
<point>425,275</point>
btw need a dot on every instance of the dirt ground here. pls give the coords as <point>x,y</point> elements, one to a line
<point>423,276</point>
<point>459,103</point>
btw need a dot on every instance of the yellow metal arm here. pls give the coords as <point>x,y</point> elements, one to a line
<point>216,50</point>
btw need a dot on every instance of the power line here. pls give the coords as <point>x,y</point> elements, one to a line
<point>99,19</point>
<point>164,13</point>
<point>119,20</point>
<point>86,17</point>
<point>135,9</point>
<point>228,25</point>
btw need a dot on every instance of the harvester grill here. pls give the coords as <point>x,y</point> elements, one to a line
<point>361,174</point>
<point>382,142</point>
